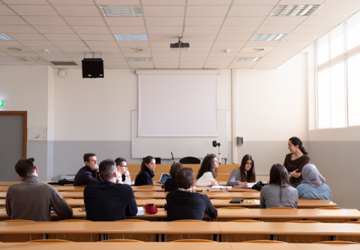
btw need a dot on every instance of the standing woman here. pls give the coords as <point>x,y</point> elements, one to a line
<point>207,172</point>
<point>278,193</point>
<point>146,173</point>
<point>244,174</point>
<point>296,160</point>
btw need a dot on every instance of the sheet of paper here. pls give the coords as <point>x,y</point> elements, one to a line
<point>257,201</point>
<point>250,185</point>
<point>222,187</point>
<point>140,211</point>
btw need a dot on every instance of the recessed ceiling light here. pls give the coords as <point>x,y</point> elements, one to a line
<point>247,59</point>
<point>5,37</point>
<point>139,59</point>
<point>131,37</point>
<point>258,49</point>
<point>114,10</point>
<point>14,49</point>
<point>30,59</point>
<point>268,37</point>
<point>294,10</point>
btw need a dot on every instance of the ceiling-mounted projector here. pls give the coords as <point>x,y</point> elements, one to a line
<point>179,46</point>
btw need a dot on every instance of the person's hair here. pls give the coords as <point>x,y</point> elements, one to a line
<point>106,169</point>
<point>250,176</point>
<point>184,178</point>
<point>24,167</point>
<point>175,169</point>
<point>119,160</point>
<point>146,160</point>
<point>296,141</point>
<point>279,176</point>
<point>87,156</point>
<point>207,165</point>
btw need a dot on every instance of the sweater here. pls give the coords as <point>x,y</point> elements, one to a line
<point>270,197</point>
<point>235,177</point>
<point>205,179</point>
<point>144,178</point>
<point>86,176</point>
<point>298,164</point>
<point>322,192</point>
<point>170,185</point>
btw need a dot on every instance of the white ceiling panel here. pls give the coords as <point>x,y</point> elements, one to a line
<point>161,44</point>
<point>288,49</point>
<point>127,30</point>
<point>25,1</point>
<point>239,66</point>
<point>169,54</point>
<point>259,11</point>
<point>78,10</point>
<point>172,64</point>
<point>255,2</point>
<point>226,44</point>
<point>165,59</point>
<point>69,43</point>
<point>104,49</point>
<point>161,49</point>
<point>93,21</point>
<point>54,29</point>
<point>20,54</point>
<point>36,43</point>
<point>164,2</point>
<point>310,29</point>
<point>324,20</point>
<point>234,37</point>
<point>44,20</point>
<point>204,21</point>
<point>102,43</point>
<point>262,43</point>
<point>221,49</point>
<point>117,2</point>
<point>125,21</point>
<point>216,65</point>
<point>62,37</point>
<point>129,50</point>
<point>222,60</point>
<point>27,37</point>
<point>11,20</point>
<point>303,37</point>
<point>108,55</point>
<point>284,20</point>
<point>272,59</point>
<point>34,10</point>
<point>91,29</point>
<point>223,55</point>
<point>164,11</point>
<point>237,20</point>
<point>71,2</point>
<point>264,67</point>
<point>201,44</point>
<point>52,54</point>
<point>191,67</point>
<point>133,44</point>
<point>57,59</point>
<point>199,37</point>
<point>74,49</point>
<point>97,37</point>
<point>8,59</point>
<point>189,54</point>
<point>165,30</point>
<point>164,21</point>
<point>245,29</point>
<point>276,29</point>
<point>201,30</point>
<point>18,29</point>
<point>251,54</point>
<point>190,60</point>
<point>209,11</point>
<point>117,67</point>
<point>114,59</point>
<point>336,9</point>
<point>294,2</point>
<point>209,2</point>
<point>251,49</point>
<point>9,44</point>
<point>295,43</point>
<point>6,11</point>
<point>342,1</point>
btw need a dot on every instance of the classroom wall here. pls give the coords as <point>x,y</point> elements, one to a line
<point>271,108</point>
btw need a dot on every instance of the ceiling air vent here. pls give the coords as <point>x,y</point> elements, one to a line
<point>64,63</point>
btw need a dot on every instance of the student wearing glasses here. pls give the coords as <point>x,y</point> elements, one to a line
<point>122,169</point>
<point>207,172</point>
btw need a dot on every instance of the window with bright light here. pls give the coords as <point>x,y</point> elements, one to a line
<point>338,80</point>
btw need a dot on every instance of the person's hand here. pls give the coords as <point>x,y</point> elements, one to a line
<point>243,184</point>
<point>295,174</point>
<point>94,166</point>
<point>127,174</point>
<point>214,183</point>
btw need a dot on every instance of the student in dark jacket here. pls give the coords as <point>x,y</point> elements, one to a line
<point>170,184</point>
<point>109,200</point>
<point>146,173</point>
<point>185,202</point>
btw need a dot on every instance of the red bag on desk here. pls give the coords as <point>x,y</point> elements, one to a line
<point>151,209</point>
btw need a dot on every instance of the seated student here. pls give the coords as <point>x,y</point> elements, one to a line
<point>278,193</point>
<point>207,172</point>
<point>89,173</point>
<point>146,173</point>
<point>170,184</point>
<point>33,200</point>
<point>121,167</point>
<point>244,174</point>
<point>184,202</point>
<point>108,200</point>
<point>313,184</point>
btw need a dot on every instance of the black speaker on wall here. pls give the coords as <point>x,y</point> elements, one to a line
<point>93,68</point>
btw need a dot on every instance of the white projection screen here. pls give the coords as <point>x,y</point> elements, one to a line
<point>177,105</point>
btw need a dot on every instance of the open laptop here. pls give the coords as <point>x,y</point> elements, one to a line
<point>163,178</point>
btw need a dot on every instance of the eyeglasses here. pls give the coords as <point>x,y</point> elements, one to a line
<point>123,166</point>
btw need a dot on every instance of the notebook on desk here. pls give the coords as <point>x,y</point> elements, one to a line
<point>163,178</point>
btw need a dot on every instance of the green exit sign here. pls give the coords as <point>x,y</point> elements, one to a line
<point>2,103</point>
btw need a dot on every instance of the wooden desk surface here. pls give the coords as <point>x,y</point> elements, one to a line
<point>291,246</point>
<point>159,227</point>
<point>160,246</point>
<point>276,228</point>
<point>42,246</point>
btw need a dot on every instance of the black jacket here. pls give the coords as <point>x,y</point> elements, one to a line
<point>86,176</point>
<point>170,185</point>
<point>108,201</point>
<point>144,178</point>
<point>181,205</point>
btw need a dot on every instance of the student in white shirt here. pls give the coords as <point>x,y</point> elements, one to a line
<point>121,168</point>
<point>207,172</point>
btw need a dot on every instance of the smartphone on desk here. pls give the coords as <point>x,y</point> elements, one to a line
<point>237,200</point>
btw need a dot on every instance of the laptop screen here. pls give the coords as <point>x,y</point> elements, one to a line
<point>164,177</point>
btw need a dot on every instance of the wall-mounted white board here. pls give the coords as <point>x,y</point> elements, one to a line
<point>181,146</point>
